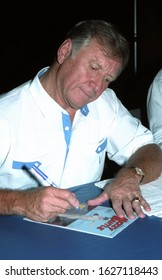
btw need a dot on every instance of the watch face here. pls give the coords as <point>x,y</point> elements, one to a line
<point>139,171</point>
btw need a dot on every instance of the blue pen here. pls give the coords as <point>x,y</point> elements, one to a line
<point>44,176</point>
<point>37,172</point>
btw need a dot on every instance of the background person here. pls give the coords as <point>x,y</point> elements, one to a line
<point>154,107</point>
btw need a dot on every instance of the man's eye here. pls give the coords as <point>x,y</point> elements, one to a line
<point>107,80</point>
<point>94,68</point>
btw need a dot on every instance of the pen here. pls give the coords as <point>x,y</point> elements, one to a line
<point>32,175</point>
<point>44,176</point>
<point>38,172</point>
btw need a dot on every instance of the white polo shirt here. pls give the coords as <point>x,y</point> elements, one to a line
<point>154,107</point>
<point>36,130</point>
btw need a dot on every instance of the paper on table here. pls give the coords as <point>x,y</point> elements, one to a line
<point>152,192</point>
<point>103,183</point>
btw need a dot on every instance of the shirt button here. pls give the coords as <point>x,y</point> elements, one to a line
<point>66,128</point>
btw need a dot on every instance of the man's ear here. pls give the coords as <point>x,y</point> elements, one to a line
<point>64,50</point>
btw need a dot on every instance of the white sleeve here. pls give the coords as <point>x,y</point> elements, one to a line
<point>154,107</point>
<point>4,140</point>
<point>126,134</point>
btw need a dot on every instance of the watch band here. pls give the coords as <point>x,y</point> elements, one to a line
<point>138,171</point>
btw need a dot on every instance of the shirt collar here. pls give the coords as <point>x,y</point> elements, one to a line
<point>45,103</point>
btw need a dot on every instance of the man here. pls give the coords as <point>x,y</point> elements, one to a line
<point>63,123</point>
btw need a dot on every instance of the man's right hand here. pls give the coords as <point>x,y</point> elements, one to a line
<point>45,203</point>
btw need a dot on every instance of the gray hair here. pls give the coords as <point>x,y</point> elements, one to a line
<point>105,33</point>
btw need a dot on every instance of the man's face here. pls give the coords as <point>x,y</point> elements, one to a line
<point>83,78</point>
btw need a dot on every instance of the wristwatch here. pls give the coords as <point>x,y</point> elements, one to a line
<point>138,171</point>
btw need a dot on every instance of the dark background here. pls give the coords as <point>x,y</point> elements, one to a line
<point>31,31</point>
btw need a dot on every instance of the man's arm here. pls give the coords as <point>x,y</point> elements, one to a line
<point>149,159</point>
<point>11,202</point>
<point>124,191</point>
<point>40,204</point>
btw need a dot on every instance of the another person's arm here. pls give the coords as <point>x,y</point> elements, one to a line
<point>154,107</point>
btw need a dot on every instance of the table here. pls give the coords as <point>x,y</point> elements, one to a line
<point>22,240</point>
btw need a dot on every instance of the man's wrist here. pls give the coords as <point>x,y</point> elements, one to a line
<point>138,171</point>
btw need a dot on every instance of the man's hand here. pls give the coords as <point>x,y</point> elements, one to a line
<point>125,196</point>
<point>45,203</point>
